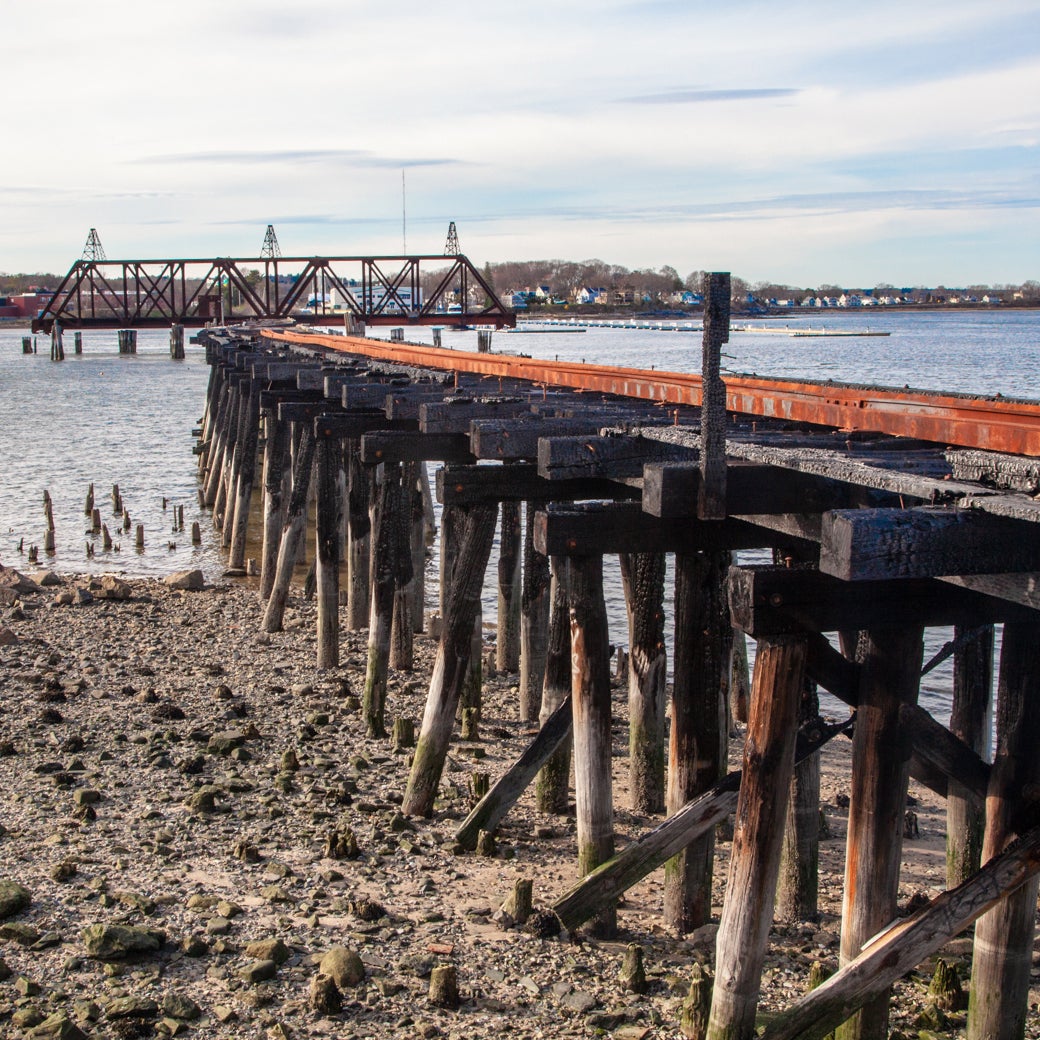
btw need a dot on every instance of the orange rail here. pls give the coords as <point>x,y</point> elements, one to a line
<point>989,423</point>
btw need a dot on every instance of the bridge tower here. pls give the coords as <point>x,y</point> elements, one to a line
<point>451,247</point>
<point>94,250</point>
<point>270,249</point>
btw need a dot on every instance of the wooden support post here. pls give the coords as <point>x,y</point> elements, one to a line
<point>359,539</point>
<point>463,602</point>
<point>534,620</point>
<point>217,438</point>
<point>748,910</point>
<point>1002,956</point>
<point>510,586</point>
<point>642,576</point>
<point>78,342</point>
<point>246,466</point>
<point>554,778</point>
<point>381,597</point>
<point>797,894</point>
<point>276,448</point>
<point>590,693</point>
<point>328,463</point>
<point>739,678</point>
<point>890,669</point>
<point>417,547</point>
<point>227,453</point>
<point>488,812</point>
<point>699,732</point>
<point>972,694</point>
<point>401,656</point>
<point>177,342</point>
<point>711,498</point>
<point>292,531</point>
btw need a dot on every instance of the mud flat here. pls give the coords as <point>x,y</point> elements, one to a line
<point>192,819</point>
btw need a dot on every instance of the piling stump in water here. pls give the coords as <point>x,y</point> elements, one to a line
<point>27,347</point>
<point>78,340</point>
<point>177,342</point>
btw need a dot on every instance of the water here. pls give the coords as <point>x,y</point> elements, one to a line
<point>105,418</point>
<point>102,418</point>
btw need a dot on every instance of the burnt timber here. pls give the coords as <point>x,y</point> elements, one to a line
<point>874,536</point>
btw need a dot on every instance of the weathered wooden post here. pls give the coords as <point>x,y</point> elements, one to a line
<point>27,346</point>
<point>698,736</point>
<point>643,579</point>
<point>417,546</point>
<point>890,669</point>
<point>590,692</point>
<point>748,910</point>
<point>359,538</point>
<point>553,782</point>
<point>711,500</point>
<point>972,693</point>
<point>328,461</point>
<point>77,340</point>
<point>402,631</point>
<point>534,620</point>
<point>797,894</point>
<point>381,598</point>
<point>276,449</point>
<point>449,671</point>
<point>292,531</point>
<point>57,344</point>
<point>1003,950</point>
<point>243,480</point>
<point>510,587</point>
<point>177,342</point>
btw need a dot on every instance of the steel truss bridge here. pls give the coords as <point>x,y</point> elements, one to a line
<point>315,290</point>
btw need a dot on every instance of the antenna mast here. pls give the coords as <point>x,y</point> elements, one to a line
<point>270,249</point>
<point>94,250</point>
<point>451,247</point>
<point>404,225</point>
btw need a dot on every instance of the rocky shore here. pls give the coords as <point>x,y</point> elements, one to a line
<point>197,839</point>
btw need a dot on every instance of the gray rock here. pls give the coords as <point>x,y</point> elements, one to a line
<point>225,743</point>
<point>268,950</point>
<point>111,587</point>
<point>14,898</point>
<point>190,581</point>
<point>343,966</point>
<point>132,1007</point>
<point>176,1005</point>
<point>112,942</point>
<point>258,971</point>
<point>58,1027</point>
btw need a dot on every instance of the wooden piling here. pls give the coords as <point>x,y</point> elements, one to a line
<point>890,669</point>
<point>510,587</point>
<point>77,342</point>
<point>292,531</point>
<point>328,461</point>
<point>553,782</point>
<point>698,735</point>
<point>402,630</point>
<point>748,909</point>
<point>590,693</point>
<point>381,597</point>
<point>534,620</point>
<point>417,547</point>
<point>139,536</point>
<point>1003,949</point>
<point>359,538</point>
<point>972,693</point>
<point>177,342</point>
<point>245,465</point>
<point>478,523</point>
<point>642,576</point>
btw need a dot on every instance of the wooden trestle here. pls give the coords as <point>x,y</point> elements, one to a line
<point>877,537</point>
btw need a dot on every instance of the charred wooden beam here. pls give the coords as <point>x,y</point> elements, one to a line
<point>465,485</point>
<point>671,489</point>
<point>397,445</point>
<point>518,438</point>
<point>613,527</point>
<point>455,415</point>
<point>774,600</point>
<point>874,544</point>
<point>618,456</point>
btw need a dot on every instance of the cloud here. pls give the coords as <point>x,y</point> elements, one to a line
<point>700,97</point>
<point>343,156</point>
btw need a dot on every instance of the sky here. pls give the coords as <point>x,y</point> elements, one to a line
<point>801,142</point>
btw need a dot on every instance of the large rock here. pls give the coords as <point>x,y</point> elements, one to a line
<point>7,637</point>
<point>192,581</point>
<point>113,942</point>
<point>343,966</point>
<point>14,898</point>
<point>111,587</point>
<point>58,1027</point>
<point>12,579</point>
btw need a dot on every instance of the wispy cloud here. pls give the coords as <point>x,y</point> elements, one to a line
<point>702,97</point>
<point>340,156</point>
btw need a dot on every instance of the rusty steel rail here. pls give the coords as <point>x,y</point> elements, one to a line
<point>988,423</point>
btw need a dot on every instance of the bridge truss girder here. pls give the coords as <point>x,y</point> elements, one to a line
<point>385,290</point>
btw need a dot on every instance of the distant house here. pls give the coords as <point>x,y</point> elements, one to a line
<point>586,294</point>
<point>543,292</point>
<point>992,298</point>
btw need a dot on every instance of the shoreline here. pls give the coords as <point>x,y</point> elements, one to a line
<point>124,717</point>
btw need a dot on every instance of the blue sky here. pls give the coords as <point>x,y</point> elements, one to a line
<point>799,142</point>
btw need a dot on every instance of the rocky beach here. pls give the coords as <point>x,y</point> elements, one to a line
<point>198,839</point>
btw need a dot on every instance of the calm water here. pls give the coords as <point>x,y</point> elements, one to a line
<point>107,419</point>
